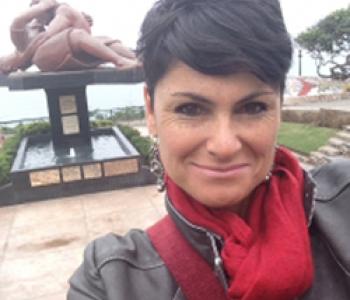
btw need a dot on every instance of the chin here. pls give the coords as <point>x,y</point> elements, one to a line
<point>229,200</point>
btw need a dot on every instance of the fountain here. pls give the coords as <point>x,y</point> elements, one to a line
<point>73,159</point>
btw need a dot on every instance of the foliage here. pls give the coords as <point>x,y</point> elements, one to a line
<point>34,128</point>
<point>120,114</point>
<point>129,114</point>
<point>9,149</point>
<point>101,123</point>
<point>142,144</point>
<point>7,130</point>
<point>304,138</point>
<point>329,44</point>
<point>7,153</point>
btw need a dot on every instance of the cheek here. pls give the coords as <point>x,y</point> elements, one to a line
<point>262,139</point>
<point>173,145</point>
<point>177,139</point>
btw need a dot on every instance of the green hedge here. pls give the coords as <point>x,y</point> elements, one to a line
<point>9,149</point>
<point>101,123</point>
<point>142,144</point>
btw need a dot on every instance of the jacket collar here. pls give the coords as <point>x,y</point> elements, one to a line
<point>310,192</point>
<point>206,242</point>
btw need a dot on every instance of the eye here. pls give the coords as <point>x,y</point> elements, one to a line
<point>253,108</point>
<point>190,109</point>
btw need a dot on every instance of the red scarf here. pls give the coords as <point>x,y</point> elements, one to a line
<point>267,256</point>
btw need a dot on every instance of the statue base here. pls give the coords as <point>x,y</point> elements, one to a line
<point>41,172</point>
<point>73,159</point>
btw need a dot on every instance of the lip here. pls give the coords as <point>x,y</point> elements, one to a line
<point>221,171</point>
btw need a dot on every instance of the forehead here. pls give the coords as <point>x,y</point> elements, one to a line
<point>182,78</point>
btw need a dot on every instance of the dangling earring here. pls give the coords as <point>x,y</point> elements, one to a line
<point>156,166</point>
<point>268,176</point>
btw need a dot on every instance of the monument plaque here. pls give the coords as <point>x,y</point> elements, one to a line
<point>92,171</point>
<point>125,166</point>
<point>70,125</point>
<point>71,174</point>
<point>45,178</point>
<point>68,104</point>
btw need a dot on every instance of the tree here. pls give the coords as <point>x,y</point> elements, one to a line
<point>329,44</point>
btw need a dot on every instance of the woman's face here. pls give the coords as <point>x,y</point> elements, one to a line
<point>217,134</point>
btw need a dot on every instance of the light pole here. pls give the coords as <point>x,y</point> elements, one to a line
<point>300,56</point>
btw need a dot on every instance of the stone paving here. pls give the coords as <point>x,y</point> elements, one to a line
<point>42,243</point>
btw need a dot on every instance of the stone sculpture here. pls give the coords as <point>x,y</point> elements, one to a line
<point>55,37</point>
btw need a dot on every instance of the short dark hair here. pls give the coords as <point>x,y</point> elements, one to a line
<point>216,37</point>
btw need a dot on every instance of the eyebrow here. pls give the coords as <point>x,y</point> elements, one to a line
<point>200,98</point>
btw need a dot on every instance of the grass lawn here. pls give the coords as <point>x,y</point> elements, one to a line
<point>304,138</point>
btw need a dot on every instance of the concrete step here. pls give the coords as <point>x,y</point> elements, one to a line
<point>318,158</point>
<point>340,144</point>
<point>330,150</point>
<point>301,158</point>
<point>336,142</point>
<point>344,135</point>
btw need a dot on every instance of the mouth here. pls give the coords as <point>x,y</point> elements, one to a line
<point>224,171</point>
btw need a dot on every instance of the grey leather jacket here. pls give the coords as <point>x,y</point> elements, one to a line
<point>128,267</point>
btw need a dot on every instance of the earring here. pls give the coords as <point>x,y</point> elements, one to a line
<point>268,176</point>
<point>156,166</point>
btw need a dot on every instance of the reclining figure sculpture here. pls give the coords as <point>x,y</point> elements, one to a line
<point>56,37</point>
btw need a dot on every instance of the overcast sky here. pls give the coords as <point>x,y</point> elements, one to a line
<point>122,19</point>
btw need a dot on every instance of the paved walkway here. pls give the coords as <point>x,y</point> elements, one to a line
<point>42,243</point>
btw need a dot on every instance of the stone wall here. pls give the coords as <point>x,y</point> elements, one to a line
<point>323,117</point>
<point>316,98</point>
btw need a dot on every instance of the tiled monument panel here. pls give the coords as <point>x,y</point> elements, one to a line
<point>44,178</point>
<point>84,172</point>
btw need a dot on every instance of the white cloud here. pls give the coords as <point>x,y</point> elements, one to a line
<point>301,14</point>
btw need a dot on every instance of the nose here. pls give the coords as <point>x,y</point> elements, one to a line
<point>224,139</point>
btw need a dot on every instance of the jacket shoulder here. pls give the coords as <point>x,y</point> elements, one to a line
<point>332,179</point>
<point>330,232</point>
<point>121,267</point>
<point>134,249</point>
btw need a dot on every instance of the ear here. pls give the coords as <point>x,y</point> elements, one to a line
<point>150,116</point>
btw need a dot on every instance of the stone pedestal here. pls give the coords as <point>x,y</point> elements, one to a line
<point>69,117</point>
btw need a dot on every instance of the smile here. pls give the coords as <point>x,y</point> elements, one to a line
<point>221,171</point>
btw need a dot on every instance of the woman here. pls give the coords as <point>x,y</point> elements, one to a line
<point>63,43</point>
<point>242,221</point>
